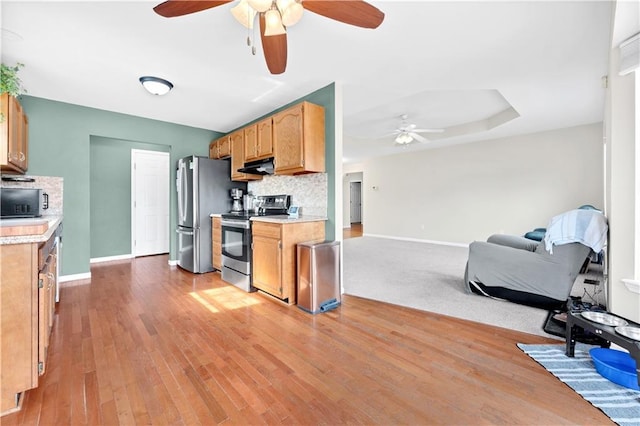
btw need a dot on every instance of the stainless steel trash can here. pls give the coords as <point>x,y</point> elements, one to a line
<point>318,276</point>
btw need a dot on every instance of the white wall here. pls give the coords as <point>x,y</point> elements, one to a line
<point>622,137</point>
<point>468,192</point>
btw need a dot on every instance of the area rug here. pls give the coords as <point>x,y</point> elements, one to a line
<point>620,404</point>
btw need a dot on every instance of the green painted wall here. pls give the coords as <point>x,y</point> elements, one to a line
<point>110,210</point>
<point>59,145</point>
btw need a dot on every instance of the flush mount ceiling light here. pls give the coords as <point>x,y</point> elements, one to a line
<point>155,85</point>
<point>275,16</point>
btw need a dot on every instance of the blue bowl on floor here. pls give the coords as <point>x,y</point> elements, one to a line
<point>616,366</point>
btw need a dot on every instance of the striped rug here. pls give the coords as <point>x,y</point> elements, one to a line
<point>621,404</point>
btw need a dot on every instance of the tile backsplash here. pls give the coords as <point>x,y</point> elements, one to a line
<point>49,184</point>
<point>307,191</point>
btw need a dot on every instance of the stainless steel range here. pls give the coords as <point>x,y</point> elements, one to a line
<point>236,238</point>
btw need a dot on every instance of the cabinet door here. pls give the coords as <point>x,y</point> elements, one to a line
<point>267,265</point>
<point>287,139</point>
<point>216,238</point>
<point>14,139</point>
<point>237,154</point>
<point>53,284</point>
<point>18,322</point>
<point>237,157</point>
<point>220,148</point>
<point>44,311</point>
<point>23,138</point>
<point>213,150</point>
<point>17,135</point>
<point>224,147</point>
<point>265,138</point>
<point>251,143</point>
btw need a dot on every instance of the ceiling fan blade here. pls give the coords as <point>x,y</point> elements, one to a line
<point>418,137</point>
<point>173,8</point>
<point>274,48</point>
<point>352,12</point>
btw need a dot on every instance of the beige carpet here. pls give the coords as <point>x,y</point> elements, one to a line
<point>428,277</point>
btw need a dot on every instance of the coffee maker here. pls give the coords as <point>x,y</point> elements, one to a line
<point>236,196</point>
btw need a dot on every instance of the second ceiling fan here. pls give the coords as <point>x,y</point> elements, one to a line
<point>407,133</point>
<point>275,15</point>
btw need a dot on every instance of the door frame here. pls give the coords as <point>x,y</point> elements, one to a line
<point>135,151</point>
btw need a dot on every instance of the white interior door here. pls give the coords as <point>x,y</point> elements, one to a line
<point>356,202</point>
<point>149,202</point>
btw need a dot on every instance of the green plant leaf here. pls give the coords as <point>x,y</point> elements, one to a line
<point>9,81</point>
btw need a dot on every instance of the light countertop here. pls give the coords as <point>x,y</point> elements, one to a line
<point>53,222</point>
<point>286,219</point>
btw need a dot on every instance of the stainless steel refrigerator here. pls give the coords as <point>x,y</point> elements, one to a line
<point>203,188</point>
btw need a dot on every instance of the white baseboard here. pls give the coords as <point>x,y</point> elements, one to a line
<point>74,277</point>
<point>111,258</point>
<point>417,240</point>
<point>173,262</point>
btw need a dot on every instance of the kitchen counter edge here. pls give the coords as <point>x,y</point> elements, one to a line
<point>54,222</point>
<point>287,219</point>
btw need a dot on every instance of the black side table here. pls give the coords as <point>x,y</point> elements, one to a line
<point>575,322</point>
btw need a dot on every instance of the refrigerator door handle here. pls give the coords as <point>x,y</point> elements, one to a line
<point>180,231</point>
<point>182,193</point>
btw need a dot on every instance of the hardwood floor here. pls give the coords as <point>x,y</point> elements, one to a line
<point>146,343</point>
<point>355,230</point>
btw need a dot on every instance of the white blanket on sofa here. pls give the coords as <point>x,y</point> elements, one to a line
<point>588,227</point>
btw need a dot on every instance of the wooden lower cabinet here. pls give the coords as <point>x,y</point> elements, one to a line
<point>274,255</point>
<point>216,239</point>
<point>27,309</point>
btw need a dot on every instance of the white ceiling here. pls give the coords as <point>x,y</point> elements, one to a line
<point>446,64</point>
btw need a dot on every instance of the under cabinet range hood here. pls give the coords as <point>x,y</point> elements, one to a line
<point>258,167</point>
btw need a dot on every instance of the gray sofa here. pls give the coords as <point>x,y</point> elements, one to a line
<point>522,271</point>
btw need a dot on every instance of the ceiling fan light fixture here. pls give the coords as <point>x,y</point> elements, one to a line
<point>404,138</point>
<point>244,13</point>
<point>291,11</point>
<point>260,5</point>
<point>155,85</point>
<point>273,23</point>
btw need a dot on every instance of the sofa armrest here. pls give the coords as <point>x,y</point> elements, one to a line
<point>513,241</point>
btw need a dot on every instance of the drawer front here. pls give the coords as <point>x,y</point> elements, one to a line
<point>264,229</point>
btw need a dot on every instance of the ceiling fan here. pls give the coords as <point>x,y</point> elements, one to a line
<point>275,15</point>
<point>408,133</point>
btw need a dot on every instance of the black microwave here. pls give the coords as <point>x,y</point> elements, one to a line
<point>22,202</point>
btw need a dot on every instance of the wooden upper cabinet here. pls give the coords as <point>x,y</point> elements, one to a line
<point>14,136</point>
<point>251,142</point>
<point>265,138</point>
<point>258,140</point>
<point>299,139</point>
<point>237,157</point>
<point>220,148</point>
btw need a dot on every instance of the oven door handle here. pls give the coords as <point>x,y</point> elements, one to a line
<point>236,224</point>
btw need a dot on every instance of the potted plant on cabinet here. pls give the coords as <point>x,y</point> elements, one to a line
<point>10,83</point>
